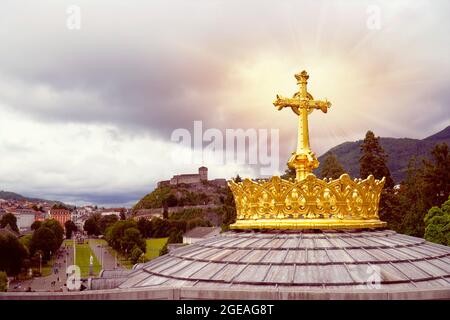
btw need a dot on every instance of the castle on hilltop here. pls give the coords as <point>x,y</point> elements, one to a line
<point>192,178</point>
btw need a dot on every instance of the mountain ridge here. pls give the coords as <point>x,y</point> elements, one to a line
<point>399,151</point>
<point>9,195</point>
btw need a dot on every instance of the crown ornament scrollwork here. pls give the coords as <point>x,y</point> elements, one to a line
<point>308,203</point>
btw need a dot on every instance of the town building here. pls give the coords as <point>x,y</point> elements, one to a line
<point>40,216</point>
<point>60,215</point>
<point>25,219</point>
<point>113,211</point>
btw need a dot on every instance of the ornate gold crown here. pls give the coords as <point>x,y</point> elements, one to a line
<point>310,203</point>
<point>306,202</point>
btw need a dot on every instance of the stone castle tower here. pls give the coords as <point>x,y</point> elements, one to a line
<point>203,173</point>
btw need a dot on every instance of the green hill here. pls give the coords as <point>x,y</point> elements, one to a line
<point>399,151</point>
<point>8,195</point>
<point>183,195</point>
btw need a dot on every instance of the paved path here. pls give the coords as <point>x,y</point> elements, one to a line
<point>106,259</point>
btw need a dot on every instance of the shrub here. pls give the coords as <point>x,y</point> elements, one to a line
<point>136,255</point>
<point>3,281</point>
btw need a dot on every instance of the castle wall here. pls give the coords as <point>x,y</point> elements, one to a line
<point>185,178</point>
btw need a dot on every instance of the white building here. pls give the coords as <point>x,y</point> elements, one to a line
<point>24,220</point>
<point>200,233</point>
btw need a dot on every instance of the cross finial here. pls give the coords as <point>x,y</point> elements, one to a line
<point>302,77</point>
<point>302,103</point>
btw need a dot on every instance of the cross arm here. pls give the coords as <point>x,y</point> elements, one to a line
<point>282,102</point>
<point>318,104</point>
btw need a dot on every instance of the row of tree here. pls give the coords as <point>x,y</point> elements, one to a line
<point>437,224</point>
<point>124,237</point>
<point>171,228</point>
<point>21,253</point>
<point>121,235</point>
<point>427,184</point>
<point>97,224</point>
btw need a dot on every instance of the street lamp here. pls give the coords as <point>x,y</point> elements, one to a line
<point>103,250</point>
<point>74,253</point>
<point>66,258</point>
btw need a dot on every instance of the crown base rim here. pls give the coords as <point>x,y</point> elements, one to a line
<point>321,224</point>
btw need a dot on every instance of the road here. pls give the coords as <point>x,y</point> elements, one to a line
<point>56,281</point>
<point>53,282</point>
<point>106,259</point>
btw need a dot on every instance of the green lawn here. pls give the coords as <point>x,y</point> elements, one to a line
<point>84,253</point>
<point>154,246</point>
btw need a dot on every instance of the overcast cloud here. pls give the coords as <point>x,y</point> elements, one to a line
<point>86,115</point>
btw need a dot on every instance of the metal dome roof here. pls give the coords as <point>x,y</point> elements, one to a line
<point>300,260</point>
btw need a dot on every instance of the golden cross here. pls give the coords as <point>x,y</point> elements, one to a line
<point>302,103</point>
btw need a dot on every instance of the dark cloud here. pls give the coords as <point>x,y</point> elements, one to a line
<point>150,68</point>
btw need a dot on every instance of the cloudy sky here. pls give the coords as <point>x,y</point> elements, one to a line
<point>86,115</point>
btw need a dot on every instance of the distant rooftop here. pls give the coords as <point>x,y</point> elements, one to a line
<point>201,232</point>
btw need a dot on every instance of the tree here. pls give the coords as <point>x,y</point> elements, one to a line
<point>331,167</point>
<point>122,215</point>
<point>91,225</point>
<point>436,175</point>
<point>44,240</point>
<point>237,179</point>
<point>175,236</point>
<point>136,255</point>
<point>160,227</point>
<point>57,230</point>
<point>106,221</point>
<point>124,235</point>
<point>26,242</point>
<point>289,174</point>
<point>36,225</point>
<point>171,200</point>
<point>12,253</point>
<point>144,226</point>
<point>427,184</point>
<point>3,281</point>
<point>59,206</point>
<point>411,203</point>
<point>11,220</point>
<point>228,210</point>
<point>70,228</point>
<point>437,222</point>
<point>132,238</point>
<point>165,211</point>
<point>373,160</point>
